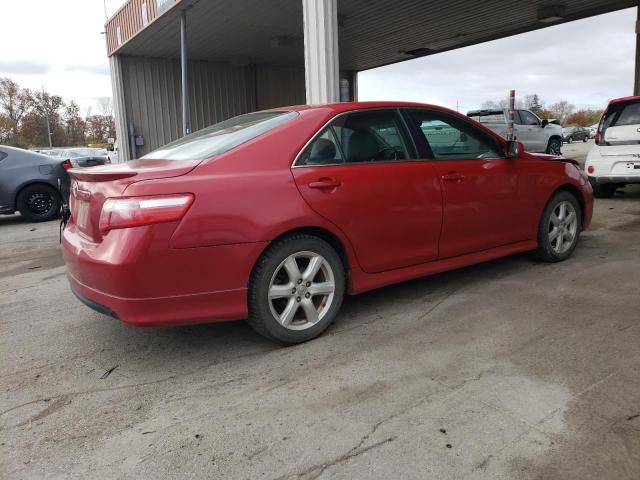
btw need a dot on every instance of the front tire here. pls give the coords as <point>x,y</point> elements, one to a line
<point>570,140</point>
<point>554,147</point>
<point>559,228</point>
<point>39,203</point>
<point>296,289</point>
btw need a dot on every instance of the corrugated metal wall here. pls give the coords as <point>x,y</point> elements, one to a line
<point>217,91</point>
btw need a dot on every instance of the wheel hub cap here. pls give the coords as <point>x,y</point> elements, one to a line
<point>301,290</point>
<point>563,227</point>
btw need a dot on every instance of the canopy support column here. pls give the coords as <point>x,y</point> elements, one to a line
<point>322,77</point>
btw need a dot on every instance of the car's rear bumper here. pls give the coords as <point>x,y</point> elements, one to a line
<point>133,275</point>
<point>601,180</point>
<point>164,311</point>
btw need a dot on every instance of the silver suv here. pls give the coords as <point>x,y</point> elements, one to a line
<point>540,136</point>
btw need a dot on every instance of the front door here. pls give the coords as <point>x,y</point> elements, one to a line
<point>360,173</point>
<point>482,207</point>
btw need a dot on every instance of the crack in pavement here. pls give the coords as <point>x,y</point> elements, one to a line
<point>318,470</point>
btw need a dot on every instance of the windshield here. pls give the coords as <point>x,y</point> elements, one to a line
<point>221,137</point>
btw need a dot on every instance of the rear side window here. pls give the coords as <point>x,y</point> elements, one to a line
<point>3,155</point>
<point>361,137</point>
<point>221,137</point>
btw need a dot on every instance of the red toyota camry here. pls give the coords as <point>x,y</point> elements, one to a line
<point>274,216</point>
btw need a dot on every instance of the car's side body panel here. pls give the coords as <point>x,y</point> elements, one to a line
<point>388,218</point>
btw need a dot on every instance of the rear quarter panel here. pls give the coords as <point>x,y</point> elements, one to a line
<point>247,195</point>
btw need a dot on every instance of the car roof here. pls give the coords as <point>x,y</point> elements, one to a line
<point>624,99</point>
<point>349,106</point>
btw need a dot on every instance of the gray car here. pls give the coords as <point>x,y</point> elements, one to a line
<point>32,183</point>
<point>85,156</point>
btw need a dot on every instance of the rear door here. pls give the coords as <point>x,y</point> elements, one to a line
<point>482,205</point>
<point>361,174</point>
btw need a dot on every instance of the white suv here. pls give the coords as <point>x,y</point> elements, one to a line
<point>614,161</point>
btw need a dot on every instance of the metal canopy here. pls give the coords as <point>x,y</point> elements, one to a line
<point>371,33</point>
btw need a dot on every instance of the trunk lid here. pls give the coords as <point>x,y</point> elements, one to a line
<point>90,187</point>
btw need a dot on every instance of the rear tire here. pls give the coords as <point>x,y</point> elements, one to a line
<point>585,139</point>
<point>296,289</point>
<point>604,190</point>
<point>39,203</point>
<point>554,147</point>
<point>559,228</point>
<point>570,140</point>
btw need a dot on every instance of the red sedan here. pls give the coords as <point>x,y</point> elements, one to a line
<point>274,216</point>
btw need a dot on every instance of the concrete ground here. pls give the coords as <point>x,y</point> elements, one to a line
<point>507,370</point>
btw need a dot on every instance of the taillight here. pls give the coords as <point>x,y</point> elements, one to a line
<point>129,212</point>
<point>590,169</point>
<point>67,164</point>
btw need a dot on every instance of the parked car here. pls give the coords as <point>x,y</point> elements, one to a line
<point>85,156</point>
<point>614,160</point>
<point>273,216</point>
<point>571,134</point>
<point>543,136</point>
<point>32,183</point>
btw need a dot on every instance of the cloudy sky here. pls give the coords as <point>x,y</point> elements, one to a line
<point>58,45</point>
<point>586,62</point>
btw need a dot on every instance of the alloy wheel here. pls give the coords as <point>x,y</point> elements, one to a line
<point>563,227</point>
<point>301,290</point>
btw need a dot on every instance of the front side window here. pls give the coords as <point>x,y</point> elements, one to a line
<point>528,118</point>
<point>451,138</point>
<point>221,137</point>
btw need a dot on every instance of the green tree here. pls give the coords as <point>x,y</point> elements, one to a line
<point>47,108</point>
<point>534,103</point>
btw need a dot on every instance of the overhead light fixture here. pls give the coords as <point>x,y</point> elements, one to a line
<point>445,42</point>
<point>417,52</point>
<point>551,13</point>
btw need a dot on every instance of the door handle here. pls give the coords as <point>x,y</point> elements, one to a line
<point>325,183</point>
<point>453,177</point>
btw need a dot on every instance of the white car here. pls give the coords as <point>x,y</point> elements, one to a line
<point>614,160</point>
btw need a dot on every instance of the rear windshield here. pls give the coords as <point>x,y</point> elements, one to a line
<point>221,137</point>
<point>487,117</point>
<point>619,114</point>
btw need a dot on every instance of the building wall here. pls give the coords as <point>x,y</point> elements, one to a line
<point>217,91</point>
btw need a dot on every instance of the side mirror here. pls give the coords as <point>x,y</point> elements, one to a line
<point>544,123</point>
<point>514,149</point>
